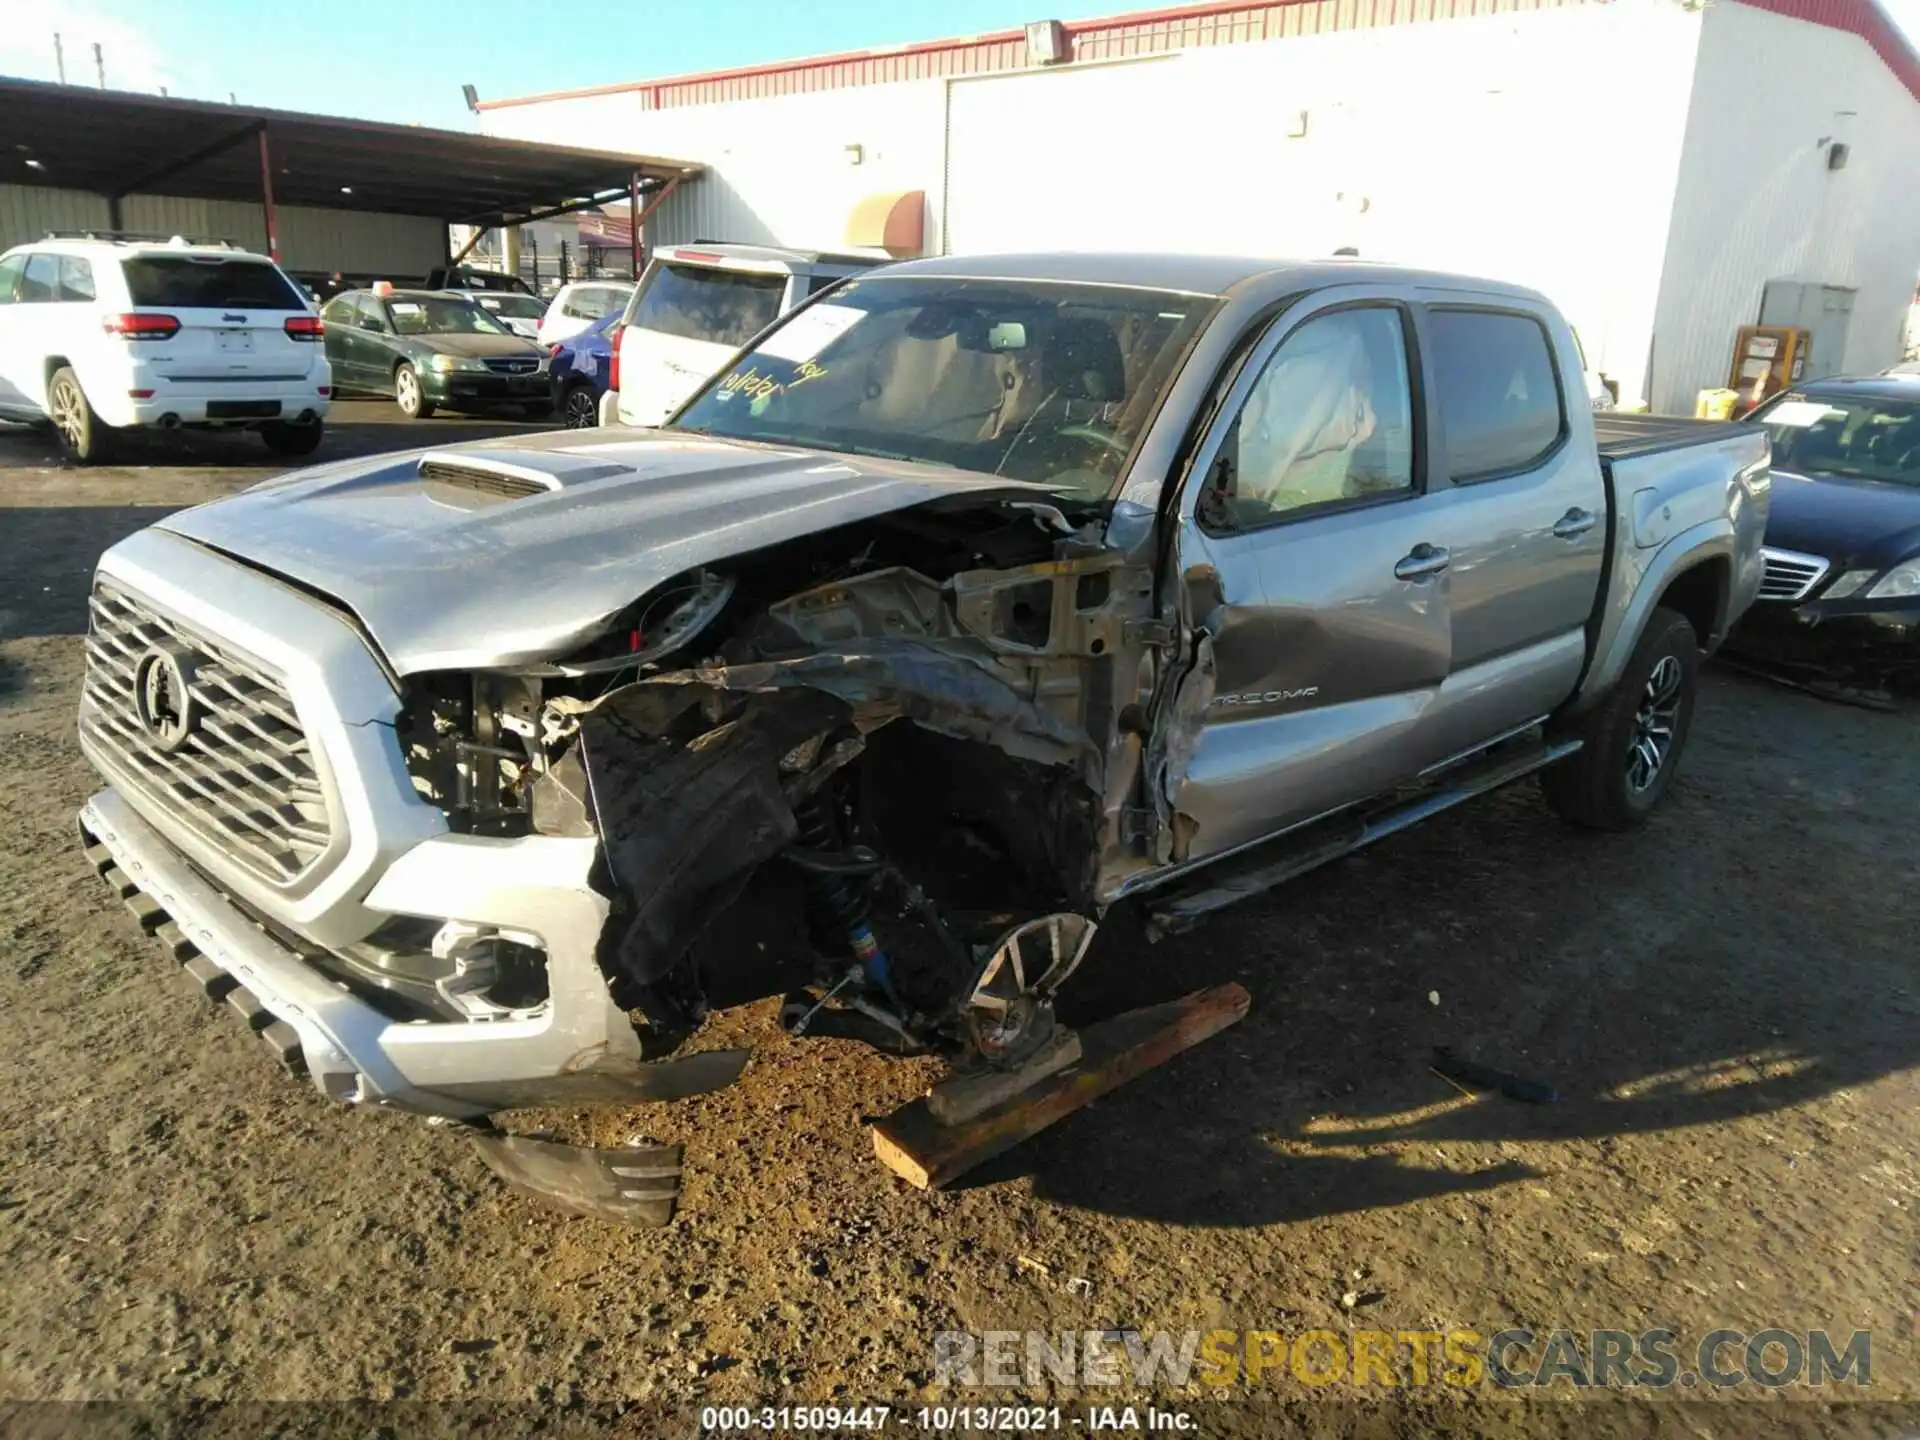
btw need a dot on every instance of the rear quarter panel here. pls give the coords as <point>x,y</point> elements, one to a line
<point>1672,510</point>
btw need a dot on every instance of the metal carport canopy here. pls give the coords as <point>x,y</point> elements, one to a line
<point>117,143</point>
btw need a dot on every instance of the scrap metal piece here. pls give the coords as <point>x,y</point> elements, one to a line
<point>631,1185</point>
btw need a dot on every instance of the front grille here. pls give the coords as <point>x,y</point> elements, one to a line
<point>1790,575</point>
<point>513,365</point>
<point>243,775</point>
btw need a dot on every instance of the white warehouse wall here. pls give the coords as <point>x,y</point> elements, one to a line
<point>1758,203</point>
<point>778,168</point>
<point>1479,145</point>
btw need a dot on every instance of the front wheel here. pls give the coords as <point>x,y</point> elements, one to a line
<point>1633,738</point>
<point>83,435</point>
<point>285,439</point>
<point>408,394</point>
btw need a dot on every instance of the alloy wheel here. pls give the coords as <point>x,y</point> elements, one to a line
<point>1654,724</point>
<point>69,412</point>
<point>582,411</point>
<point>407,391</point>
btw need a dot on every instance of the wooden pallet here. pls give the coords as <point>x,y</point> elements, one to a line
<point>918,1148</point>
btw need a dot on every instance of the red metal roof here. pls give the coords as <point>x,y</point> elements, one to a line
<point>1147,32</point>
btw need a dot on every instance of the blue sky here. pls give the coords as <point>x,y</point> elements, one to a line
<point>400,61</point>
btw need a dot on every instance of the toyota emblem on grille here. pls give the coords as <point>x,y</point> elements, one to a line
<point>162,701</point>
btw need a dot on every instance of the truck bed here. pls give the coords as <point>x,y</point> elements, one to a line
<point>1623,437</point>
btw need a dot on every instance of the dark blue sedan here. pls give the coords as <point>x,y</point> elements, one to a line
<point>579,368</point>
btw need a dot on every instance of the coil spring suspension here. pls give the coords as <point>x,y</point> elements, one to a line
<point>839,907</point>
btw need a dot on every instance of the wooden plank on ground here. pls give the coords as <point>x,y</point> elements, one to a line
<point>918,1148</point>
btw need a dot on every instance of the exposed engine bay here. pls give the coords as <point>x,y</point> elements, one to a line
<point>875,770</point>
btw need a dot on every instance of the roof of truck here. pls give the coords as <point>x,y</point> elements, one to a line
<point>1193,274</point>
<point>1872,387</point>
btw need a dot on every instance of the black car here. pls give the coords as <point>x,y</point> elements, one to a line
<point>428,350</point>
<point>1842,588</point>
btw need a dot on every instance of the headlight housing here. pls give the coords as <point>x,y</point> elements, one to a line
<point>1847,584</point>
<point>1899,583</point>
<point>444,363</point>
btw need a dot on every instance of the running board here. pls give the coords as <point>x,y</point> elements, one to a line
<point>1256,871</point>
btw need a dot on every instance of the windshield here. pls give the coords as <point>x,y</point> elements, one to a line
<point>1865,439</point>
<point>424,316</point>
<point>727,307</point>
<point>1031,380</point>
<point>514,307</point>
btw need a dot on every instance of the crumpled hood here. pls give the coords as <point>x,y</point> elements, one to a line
<point>448,575</point>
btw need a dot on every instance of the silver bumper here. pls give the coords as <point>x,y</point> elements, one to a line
<point>579,1049</point>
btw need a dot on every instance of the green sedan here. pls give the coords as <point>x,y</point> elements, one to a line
<point>429,350</point>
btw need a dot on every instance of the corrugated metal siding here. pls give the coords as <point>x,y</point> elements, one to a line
<point>404,246</point>
<point>1757,202</point>
<point>28,212</point>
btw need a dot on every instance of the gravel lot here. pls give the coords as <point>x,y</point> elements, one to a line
<point>1726,1001</point>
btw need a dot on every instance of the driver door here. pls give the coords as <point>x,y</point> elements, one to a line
<point>1313,574</point>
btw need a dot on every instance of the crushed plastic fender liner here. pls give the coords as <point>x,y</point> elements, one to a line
<point>685,822</point>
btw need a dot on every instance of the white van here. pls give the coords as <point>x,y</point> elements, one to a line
<point>695,307</point>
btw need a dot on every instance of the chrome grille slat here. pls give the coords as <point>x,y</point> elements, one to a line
<point>1791,575</point>
<point>245,776</point>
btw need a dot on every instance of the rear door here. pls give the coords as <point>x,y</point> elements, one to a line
<point>688,319</point>
<point>1525,519</point>
<point>1313,563</point>
<point>232,311</point>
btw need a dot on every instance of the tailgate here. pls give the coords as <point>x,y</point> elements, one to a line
<point>232,313</point>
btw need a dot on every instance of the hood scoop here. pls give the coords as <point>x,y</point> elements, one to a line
<point>468,480</point>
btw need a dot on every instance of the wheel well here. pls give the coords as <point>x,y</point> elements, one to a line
<point>55,364</point>
<point>1700,594</point>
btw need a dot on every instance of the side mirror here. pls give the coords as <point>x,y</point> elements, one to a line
<point>378,327</point>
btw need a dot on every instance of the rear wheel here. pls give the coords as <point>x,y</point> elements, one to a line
<point>408,394</point>
<point>1635,737</point>
<point>579,408</point>
<point>83,435</point>
<point>285,439</point>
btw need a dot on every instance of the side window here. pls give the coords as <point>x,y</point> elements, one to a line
<point>373,315</point>
<point>1499,396</point>
<point>339,313</point>
<point>10,269</point>
<point>41,280</point>
<point>1330,419</point>
<point>575,305</point>
<point>76,278</point>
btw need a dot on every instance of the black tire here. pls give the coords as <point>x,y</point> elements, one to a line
<point>285,439</point>
<point>408,393</point>
<point>579,407</point>
<point>1615,780</point>
<point>85,437</point>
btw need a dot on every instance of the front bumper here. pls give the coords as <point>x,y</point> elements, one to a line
<point>580,1049</point>
<point>458,387</point>
<point>1834,634</point>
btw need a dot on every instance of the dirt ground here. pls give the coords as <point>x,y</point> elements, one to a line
<point>1726,1002</point>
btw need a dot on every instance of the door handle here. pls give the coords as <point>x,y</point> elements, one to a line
<point>1574,523</point>
<point>1421,561</point>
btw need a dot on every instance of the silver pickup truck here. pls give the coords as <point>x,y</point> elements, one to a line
<point>969,600</point>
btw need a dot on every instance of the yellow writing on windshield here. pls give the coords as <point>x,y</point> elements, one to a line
<point>761,389</point>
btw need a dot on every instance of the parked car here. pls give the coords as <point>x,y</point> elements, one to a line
<point>101,336</point>
<point>428,349</point>
<point>579,306</point>
<point>580,371</point>
<point>976,598</point>
<point>694,307</point>
<point>1842,590</point>
<point>472,277</point>
<point>519,313</point>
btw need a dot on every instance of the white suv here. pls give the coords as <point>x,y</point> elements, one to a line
<point>696,305</point>
<point>100,335</point>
